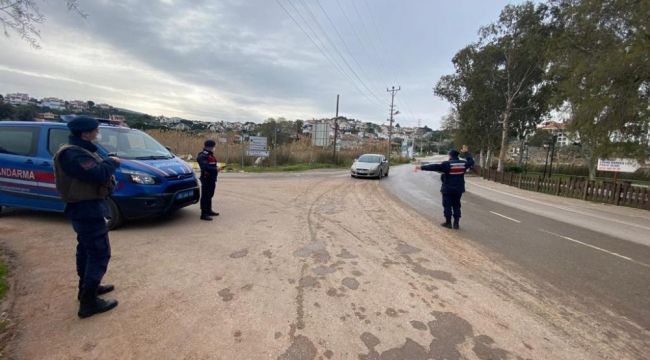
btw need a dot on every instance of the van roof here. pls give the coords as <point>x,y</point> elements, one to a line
<point>51,123</point>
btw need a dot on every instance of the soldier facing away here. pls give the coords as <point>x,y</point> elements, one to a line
<point>453,183</point>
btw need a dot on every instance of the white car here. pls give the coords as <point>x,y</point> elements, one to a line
<point>370,165</point>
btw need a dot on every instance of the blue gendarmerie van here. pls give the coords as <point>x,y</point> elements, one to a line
<point>151,181</point>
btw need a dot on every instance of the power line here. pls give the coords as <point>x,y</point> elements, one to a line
<point>336,49</point>
<point>382,50</point>
<point>346,47</point>
<point>321,49</point>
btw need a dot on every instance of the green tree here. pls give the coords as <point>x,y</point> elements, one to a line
<point>6,111</point>
<point>25,113</point>
<point>521,34</point>
<point>474,91</point>
<point>601,65</point>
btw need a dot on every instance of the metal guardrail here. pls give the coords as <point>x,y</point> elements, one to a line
<point>619,193</point>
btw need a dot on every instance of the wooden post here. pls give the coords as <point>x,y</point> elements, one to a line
<point>557,187</point>
<point>537,183</point>
<point>585,190</point>
<point>510,180</point>
<point>519,181</point>
<point>617,193</point>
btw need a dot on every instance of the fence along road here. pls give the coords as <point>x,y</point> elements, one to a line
<point>599,254</point>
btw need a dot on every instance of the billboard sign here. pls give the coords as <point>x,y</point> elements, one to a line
<point>618,165</point>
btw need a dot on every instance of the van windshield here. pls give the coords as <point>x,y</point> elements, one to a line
<point>131,144</point>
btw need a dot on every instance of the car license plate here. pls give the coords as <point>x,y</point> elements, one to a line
<point>185,194</point>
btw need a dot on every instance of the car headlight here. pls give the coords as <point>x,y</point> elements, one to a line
<point>140,177</point>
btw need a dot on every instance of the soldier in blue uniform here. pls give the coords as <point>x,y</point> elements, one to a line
<point>209,172</point>
<point>453,183</point>
<point>84,181</point>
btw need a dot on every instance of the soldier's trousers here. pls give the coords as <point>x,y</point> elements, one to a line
<point>93,251</point>
<point>207,192</point>
<point>451,205</point>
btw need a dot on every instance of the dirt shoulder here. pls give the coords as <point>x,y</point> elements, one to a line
<point>296,267</point>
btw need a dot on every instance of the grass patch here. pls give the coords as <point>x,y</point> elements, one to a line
<point>4,286</point>
<point>284,168</point>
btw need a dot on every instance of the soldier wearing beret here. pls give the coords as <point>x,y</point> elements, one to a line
<point>453,183</point>
<point>85,180</point>
<point>208,164</point>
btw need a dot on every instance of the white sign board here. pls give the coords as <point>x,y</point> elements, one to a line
<point>258,143</point>
<point>223,140</point>
<point>320,134</point>
<point>257,153</point>
<point>618,165</point>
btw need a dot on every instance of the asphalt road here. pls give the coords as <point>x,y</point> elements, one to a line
<point>601,258</point>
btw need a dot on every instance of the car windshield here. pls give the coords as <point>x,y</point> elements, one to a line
<point>131,144</point>
<point>369,159</point>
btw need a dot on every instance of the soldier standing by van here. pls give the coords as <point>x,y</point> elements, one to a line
<point>453,183</point>
<point>84,181</point>
<point>209,172</point>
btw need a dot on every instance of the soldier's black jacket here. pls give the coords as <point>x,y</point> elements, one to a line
<point>81,165</point>
<point>453,173</point>
<point>208,164</point>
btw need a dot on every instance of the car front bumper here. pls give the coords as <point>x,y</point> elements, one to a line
<point>364,173</point>
<point>151,205</point>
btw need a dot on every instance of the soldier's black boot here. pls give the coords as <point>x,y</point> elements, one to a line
<point>205,216</point>
<point>101,290</point>
<point>90,304</point>
<point>212,213</point>
<point>447,223</point>
<point>456,225</point>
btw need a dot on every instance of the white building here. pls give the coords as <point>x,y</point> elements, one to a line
<point>17,99</point>
<point>77,105</point>
<point>556,128</point>
<point>53,103</point>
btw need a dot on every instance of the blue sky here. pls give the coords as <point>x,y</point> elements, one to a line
<point>249,60</point>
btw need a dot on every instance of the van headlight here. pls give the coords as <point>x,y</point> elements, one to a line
<point>140,177</point>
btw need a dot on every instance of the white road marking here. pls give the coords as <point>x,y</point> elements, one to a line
<point>505,217</point>
<point>560,207</point>
<point>596,248</point>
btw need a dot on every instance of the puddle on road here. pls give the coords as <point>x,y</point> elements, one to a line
<point>436,274</point>
<point>301,349</point>
<point>324,270</point>
<point>239,254</point>
<point>350,283</point>
<point>406,249</point>
<point>226,295</point>
<point>346,254</point>
<point>449,333</point>
<point>315,249</point>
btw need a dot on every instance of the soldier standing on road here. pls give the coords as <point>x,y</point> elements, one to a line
<point>209,172</point>
<point>453,183</point>
<point>84,181</point>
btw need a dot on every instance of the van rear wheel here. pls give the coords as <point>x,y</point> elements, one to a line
<point>116,218</point>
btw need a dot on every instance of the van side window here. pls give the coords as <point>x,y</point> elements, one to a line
<point>16,140</point>
<point>56,138</point>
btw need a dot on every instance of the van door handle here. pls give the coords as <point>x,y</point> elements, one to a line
<point>45,163</point>
<point>29,161</point>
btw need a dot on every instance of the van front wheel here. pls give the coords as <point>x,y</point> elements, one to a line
<point>116,218</point>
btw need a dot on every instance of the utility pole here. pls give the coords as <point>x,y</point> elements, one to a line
<point>275,144</point>
<point>392,92</point>
<point>416,135</point>
<point>336,126</point>
<point>550,170</point>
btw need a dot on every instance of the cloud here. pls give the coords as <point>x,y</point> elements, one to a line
<point>233,60</point>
